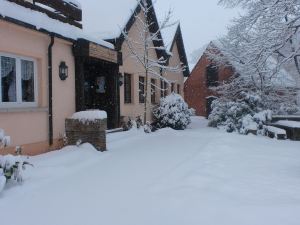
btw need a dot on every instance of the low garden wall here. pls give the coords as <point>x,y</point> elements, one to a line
<point>93,132</point>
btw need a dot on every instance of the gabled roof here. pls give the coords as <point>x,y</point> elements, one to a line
<point>282,79</point>
<point>178,40</point>
<point>118,41</point>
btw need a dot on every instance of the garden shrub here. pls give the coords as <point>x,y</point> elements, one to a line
<point>172,112</point>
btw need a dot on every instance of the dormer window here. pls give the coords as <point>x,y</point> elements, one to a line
<point>212,76</point>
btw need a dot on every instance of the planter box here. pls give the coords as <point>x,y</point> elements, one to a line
<point>87,132</point>
<point>292,132</point>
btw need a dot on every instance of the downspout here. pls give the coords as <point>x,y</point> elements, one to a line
<point>50,90</point>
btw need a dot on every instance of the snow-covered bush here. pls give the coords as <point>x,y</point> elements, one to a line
<point>133,124</point>
<point>11,168</point>
<point>172,112</point>
<point>242,116</point>
<point>148,127</point>
<point>4,140</point>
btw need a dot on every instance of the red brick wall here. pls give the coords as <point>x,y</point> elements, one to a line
<point>195,89</point>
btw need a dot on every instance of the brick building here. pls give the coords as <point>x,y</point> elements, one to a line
<point>197,88</point>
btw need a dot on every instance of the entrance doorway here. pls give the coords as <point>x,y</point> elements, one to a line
<point>97,80</point>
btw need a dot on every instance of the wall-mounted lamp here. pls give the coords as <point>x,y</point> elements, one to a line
<point>63,71</point>
<point>121,79</point>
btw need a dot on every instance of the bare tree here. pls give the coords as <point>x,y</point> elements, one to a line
<point>261,44</point>
<point>142,47</point>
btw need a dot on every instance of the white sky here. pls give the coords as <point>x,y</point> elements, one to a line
<point>201,20</point>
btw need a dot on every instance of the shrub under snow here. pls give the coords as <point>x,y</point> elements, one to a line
<point>11,167</point>
<point>4,140</point>
<point>241,116</point>
<point>173,112</point>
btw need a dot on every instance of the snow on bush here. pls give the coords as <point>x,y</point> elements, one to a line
<point>242,116</point>
<point>11,168</point>
<point>89,116</point>
<point>4,140</point>
<point>173,112</point>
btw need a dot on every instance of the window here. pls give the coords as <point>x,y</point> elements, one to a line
<point>212,76</point>
<point>153,91</point>
<point>18,82</point>
<point>142,89</point>
<point>164,88</point>
<point>172,87</point>
<point>127,88</point>
<point>178,89</point>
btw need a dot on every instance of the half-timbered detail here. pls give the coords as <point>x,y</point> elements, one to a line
<point>63,11</point>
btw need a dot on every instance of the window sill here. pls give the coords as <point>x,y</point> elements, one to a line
<point>25,109</point>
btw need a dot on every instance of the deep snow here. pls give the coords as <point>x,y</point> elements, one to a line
<point>197,176</point>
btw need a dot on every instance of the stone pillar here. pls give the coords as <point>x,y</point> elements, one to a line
<point>93,132</point>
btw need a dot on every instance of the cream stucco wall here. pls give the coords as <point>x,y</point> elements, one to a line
<point>29,126</point>
<point>176,77</point>
<point>131,66</point>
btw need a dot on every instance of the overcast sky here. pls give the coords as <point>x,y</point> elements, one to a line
<point>201,20</point>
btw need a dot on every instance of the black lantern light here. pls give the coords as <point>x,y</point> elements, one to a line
<point>121,79</point>
<point>63,71</point>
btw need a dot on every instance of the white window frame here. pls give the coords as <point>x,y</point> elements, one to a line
<point>19,103</point>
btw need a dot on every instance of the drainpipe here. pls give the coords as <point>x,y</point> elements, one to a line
<point>50,89</point>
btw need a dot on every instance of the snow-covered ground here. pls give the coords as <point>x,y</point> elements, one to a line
<point>192,177</point>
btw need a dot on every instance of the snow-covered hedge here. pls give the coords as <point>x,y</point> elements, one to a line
<point>242,116</point>
<point>173,112</point>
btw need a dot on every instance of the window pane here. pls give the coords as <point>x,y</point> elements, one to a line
<point>27,76</point>
<point>166,92</point>
<point>8,79</point>
<point>153,91</point>
<point>127,88</point>
<point>212,76</point>
<point>161,89</point>
<point>178,89</point>
<point>172,87</point>
<point>141,89</point>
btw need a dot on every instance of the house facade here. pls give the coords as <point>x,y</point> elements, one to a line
<point>132,89</point>
<point>38,71</point>
<point>197,88</point>
<point>50,69</point>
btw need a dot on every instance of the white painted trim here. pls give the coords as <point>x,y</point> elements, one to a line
<point>19,103</point>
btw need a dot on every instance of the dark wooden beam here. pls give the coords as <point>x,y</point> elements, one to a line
<point>49,13</point>
<point>67,9</point>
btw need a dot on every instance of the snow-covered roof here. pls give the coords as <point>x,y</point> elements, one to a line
<point>42,21</point>
<point>105,19</point>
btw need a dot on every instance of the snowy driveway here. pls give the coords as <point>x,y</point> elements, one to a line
<point>200,176</point>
